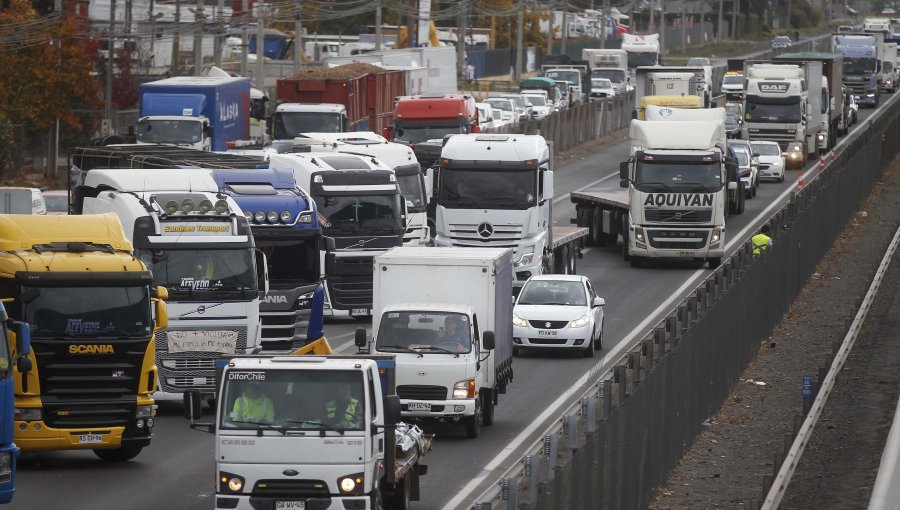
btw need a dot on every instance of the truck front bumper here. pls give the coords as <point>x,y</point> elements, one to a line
<point>868,99</point>
<point>437,409</point>
<point>244,502</point>
<point>651,242</point>
<point>33,436</point>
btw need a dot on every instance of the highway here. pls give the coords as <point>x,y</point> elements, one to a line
<point>176,471</point>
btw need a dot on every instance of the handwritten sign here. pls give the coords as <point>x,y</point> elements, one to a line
<point>223,342</point>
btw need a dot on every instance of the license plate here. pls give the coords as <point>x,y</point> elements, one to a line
<point>290,505</point>
<point>359,311</point>
<point>685,254</point>
<point>90,439</point>
<point>542,332</point>
<point>419,406</point>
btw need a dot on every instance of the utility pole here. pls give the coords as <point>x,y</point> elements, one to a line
<point>702,23</point>
<point>176,37</point>
<point>461,42</point>
<point>662,26</point>
<point>298,42</point>
<point>128,17</point>
<point>683,27</point>
<point>245,37</point>
<point>605,24</point>
<point>199,19</point>
<point>53,145</point>
<point>719,25</point>
<point>260,52</point>
<point>788,16</point>
<point>110,46</point>
<point>549,32</point>
<point>378,29</point>
<point>520,40</point>
<point>565,30</point>
<point>734,8</point>
<point>220,35</point>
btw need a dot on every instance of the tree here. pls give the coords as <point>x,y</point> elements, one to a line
<point>47,67</point>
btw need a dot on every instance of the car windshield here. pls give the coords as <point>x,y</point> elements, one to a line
<point>57,203</point>
<point>553,292</point>
<point>89,311</point>
<point>766,149</point>
<point>782,39</point>
<point>169,131</point>
<point>424,332</point>
<point>659,175</point>
<point>561,75</point>
<point>487,189</point>
<point>350,214</point>
<point>196,273</point>
<point>293,124</point>
<point>501,104</point>
<point>767,110</point>
<point>536,100</point>
<point>733,79</point>
<point>419,134</point>
<point>599,83</point>
<point>294,401</point>
<point>859,65</point>
<point>742,158</point>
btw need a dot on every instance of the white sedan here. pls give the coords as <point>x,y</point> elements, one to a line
<point>558,311</point>
<point>771,160</point>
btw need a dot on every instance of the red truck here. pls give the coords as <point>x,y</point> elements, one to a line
<point>421,118</point>
<point>351,97</point>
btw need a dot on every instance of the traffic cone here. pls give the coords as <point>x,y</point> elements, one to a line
<point>832,155</point>
<point>800,180</point>
<point>822,162</point>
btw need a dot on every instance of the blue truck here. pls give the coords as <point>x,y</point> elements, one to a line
<point>285,226</point>
<point>200,112</point>
<point>15,346</point>
<point>861,66</point>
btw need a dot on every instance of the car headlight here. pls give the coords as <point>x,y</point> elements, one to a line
<point>525,259</point>
<point>351,484</point>
<point>229,482</point>
<point>519,322</point>
<point>464,389</point>
<point>821,137</point>
<point>580,322</point>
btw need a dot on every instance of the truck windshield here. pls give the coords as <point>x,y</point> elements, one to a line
<point>642,58</point>
<point>192,274</point>
<point>573,77</point>
<point>419,134</point>
<point>424,332</point>
<point>292,124</point>
<point>767,110</point>
<point>293,400</point>
<point>733,79</point>
<point>677,176</point>
<point>487,189</point>
<point>859,65</point>
<point>373,214</point>
<point>412,189</point>
<point>613,75</point>
<point>88,311</point>
<point>169,131</point>
<point>291,262</point>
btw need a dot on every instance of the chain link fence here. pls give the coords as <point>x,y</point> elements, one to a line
<point>631,429</point>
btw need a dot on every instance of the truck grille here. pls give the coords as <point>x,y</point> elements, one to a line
<point>777,135</point>
<point>182,371</point>
<point>280,328</point>
<point>548,324</point>
<point>503,236</point>
<point>290,488</point>
<point>413,392</point>
<point>346,292</point>
<point>89,390</point>
<point>678,215</point>
<point>677,239</point>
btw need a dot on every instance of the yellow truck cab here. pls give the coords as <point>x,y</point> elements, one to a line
<point>87,381</point>
<point>671,102</point>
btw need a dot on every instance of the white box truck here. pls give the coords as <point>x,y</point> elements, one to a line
<point>446,314</point>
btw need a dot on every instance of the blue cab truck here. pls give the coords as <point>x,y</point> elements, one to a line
<point>861,67</point>
<point>285,226</point>
<point>199,112</point>
<point>16,351</point>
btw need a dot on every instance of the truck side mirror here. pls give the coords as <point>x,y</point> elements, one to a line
<point>329,262</point>
<point>345,123</point>
<point>208,130</point>
<point>262,273</point>
<point>488,341</point>
<point>386,133</point>
<point>360,338</point>
<point>547,185</point>
<point>392,410</point>
<point>23,338</point>
<point>162,313</point>
<point>192,405</point>
<point>623,174</point>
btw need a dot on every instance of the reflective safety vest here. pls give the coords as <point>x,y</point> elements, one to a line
<point>760,243</point>
<point>349,411</point>
<point>260,409</point>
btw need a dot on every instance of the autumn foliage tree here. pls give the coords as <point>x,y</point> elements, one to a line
<point>46,69</point>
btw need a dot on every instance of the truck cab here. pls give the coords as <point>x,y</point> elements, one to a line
<point>293,119</point>
<point>422,118</point>
<point>642,50</point>
<point>862,65</point>
<point>198,244</point>
<point>576,76</point>
<point>360,207</point>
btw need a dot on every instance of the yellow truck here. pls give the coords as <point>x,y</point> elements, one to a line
<point>86,383</point>
<point>669,101</point>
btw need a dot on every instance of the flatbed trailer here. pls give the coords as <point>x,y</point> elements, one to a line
<point>566,244</point>
<point>603,213</point>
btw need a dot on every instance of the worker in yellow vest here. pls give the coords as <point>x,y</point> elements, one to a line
<point>253,406</point>
<point>345,410</point>
<point>761,241</point>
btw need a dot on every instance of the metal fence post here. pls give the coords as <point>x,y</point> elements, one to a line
<point>634,361</point>
<point>605,395</point>
<point>647,346</point>
<point>551,451</point>
<point>510,492</point>
<point>619,377</point>
<point>589,411</point>
<point>533,475</point>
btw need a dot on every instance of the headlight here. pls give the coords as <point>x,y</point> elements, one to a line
<point>351,484</point>
<point>639,235</point>
<point>230,483</point>
<point>144,412</point>
<point>305,218</point>
<point>171,207</point>
<point>519,322</point>
<point>205,206</point>
<point>581,322</point>
<point>187,205</point>
<point>221,207</point>
<point>870,95</point>
<point>285,216</point>
<point>23,414</point>
<point>716,236</point>
<point>249,215</point>
<point>272,216</point>
<point>525,259</point>
<point>260,216</point>
<point>464,389</point>
<point>5,466</point>
<point>821,136</point>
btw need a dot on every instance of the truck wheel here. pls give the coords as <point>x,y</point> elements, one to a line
<point>488,405</point>
<point>400,501</point>
<point>636,261</point>
<point>517,351</point>
<point>572,263</point>
<point>120,454</point>
<point>473,423</point>
<point>597,236</point>
<point>714,262</point>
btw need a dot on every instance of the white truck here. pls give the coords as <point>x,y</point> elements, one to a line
<point>303,452</point>
<point>889,70</point>
<point>496,191</point>
<point>451,331</point>
<point>671,81</point>
<point>416,183</point>
<point>359,206</point>
<point>293,119</point>
<point>198,244</point>
<point>677,191</point>
<point>574,75</point>
<point>783,103</point>
<point>643,50</point>
<point>609,64</point>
